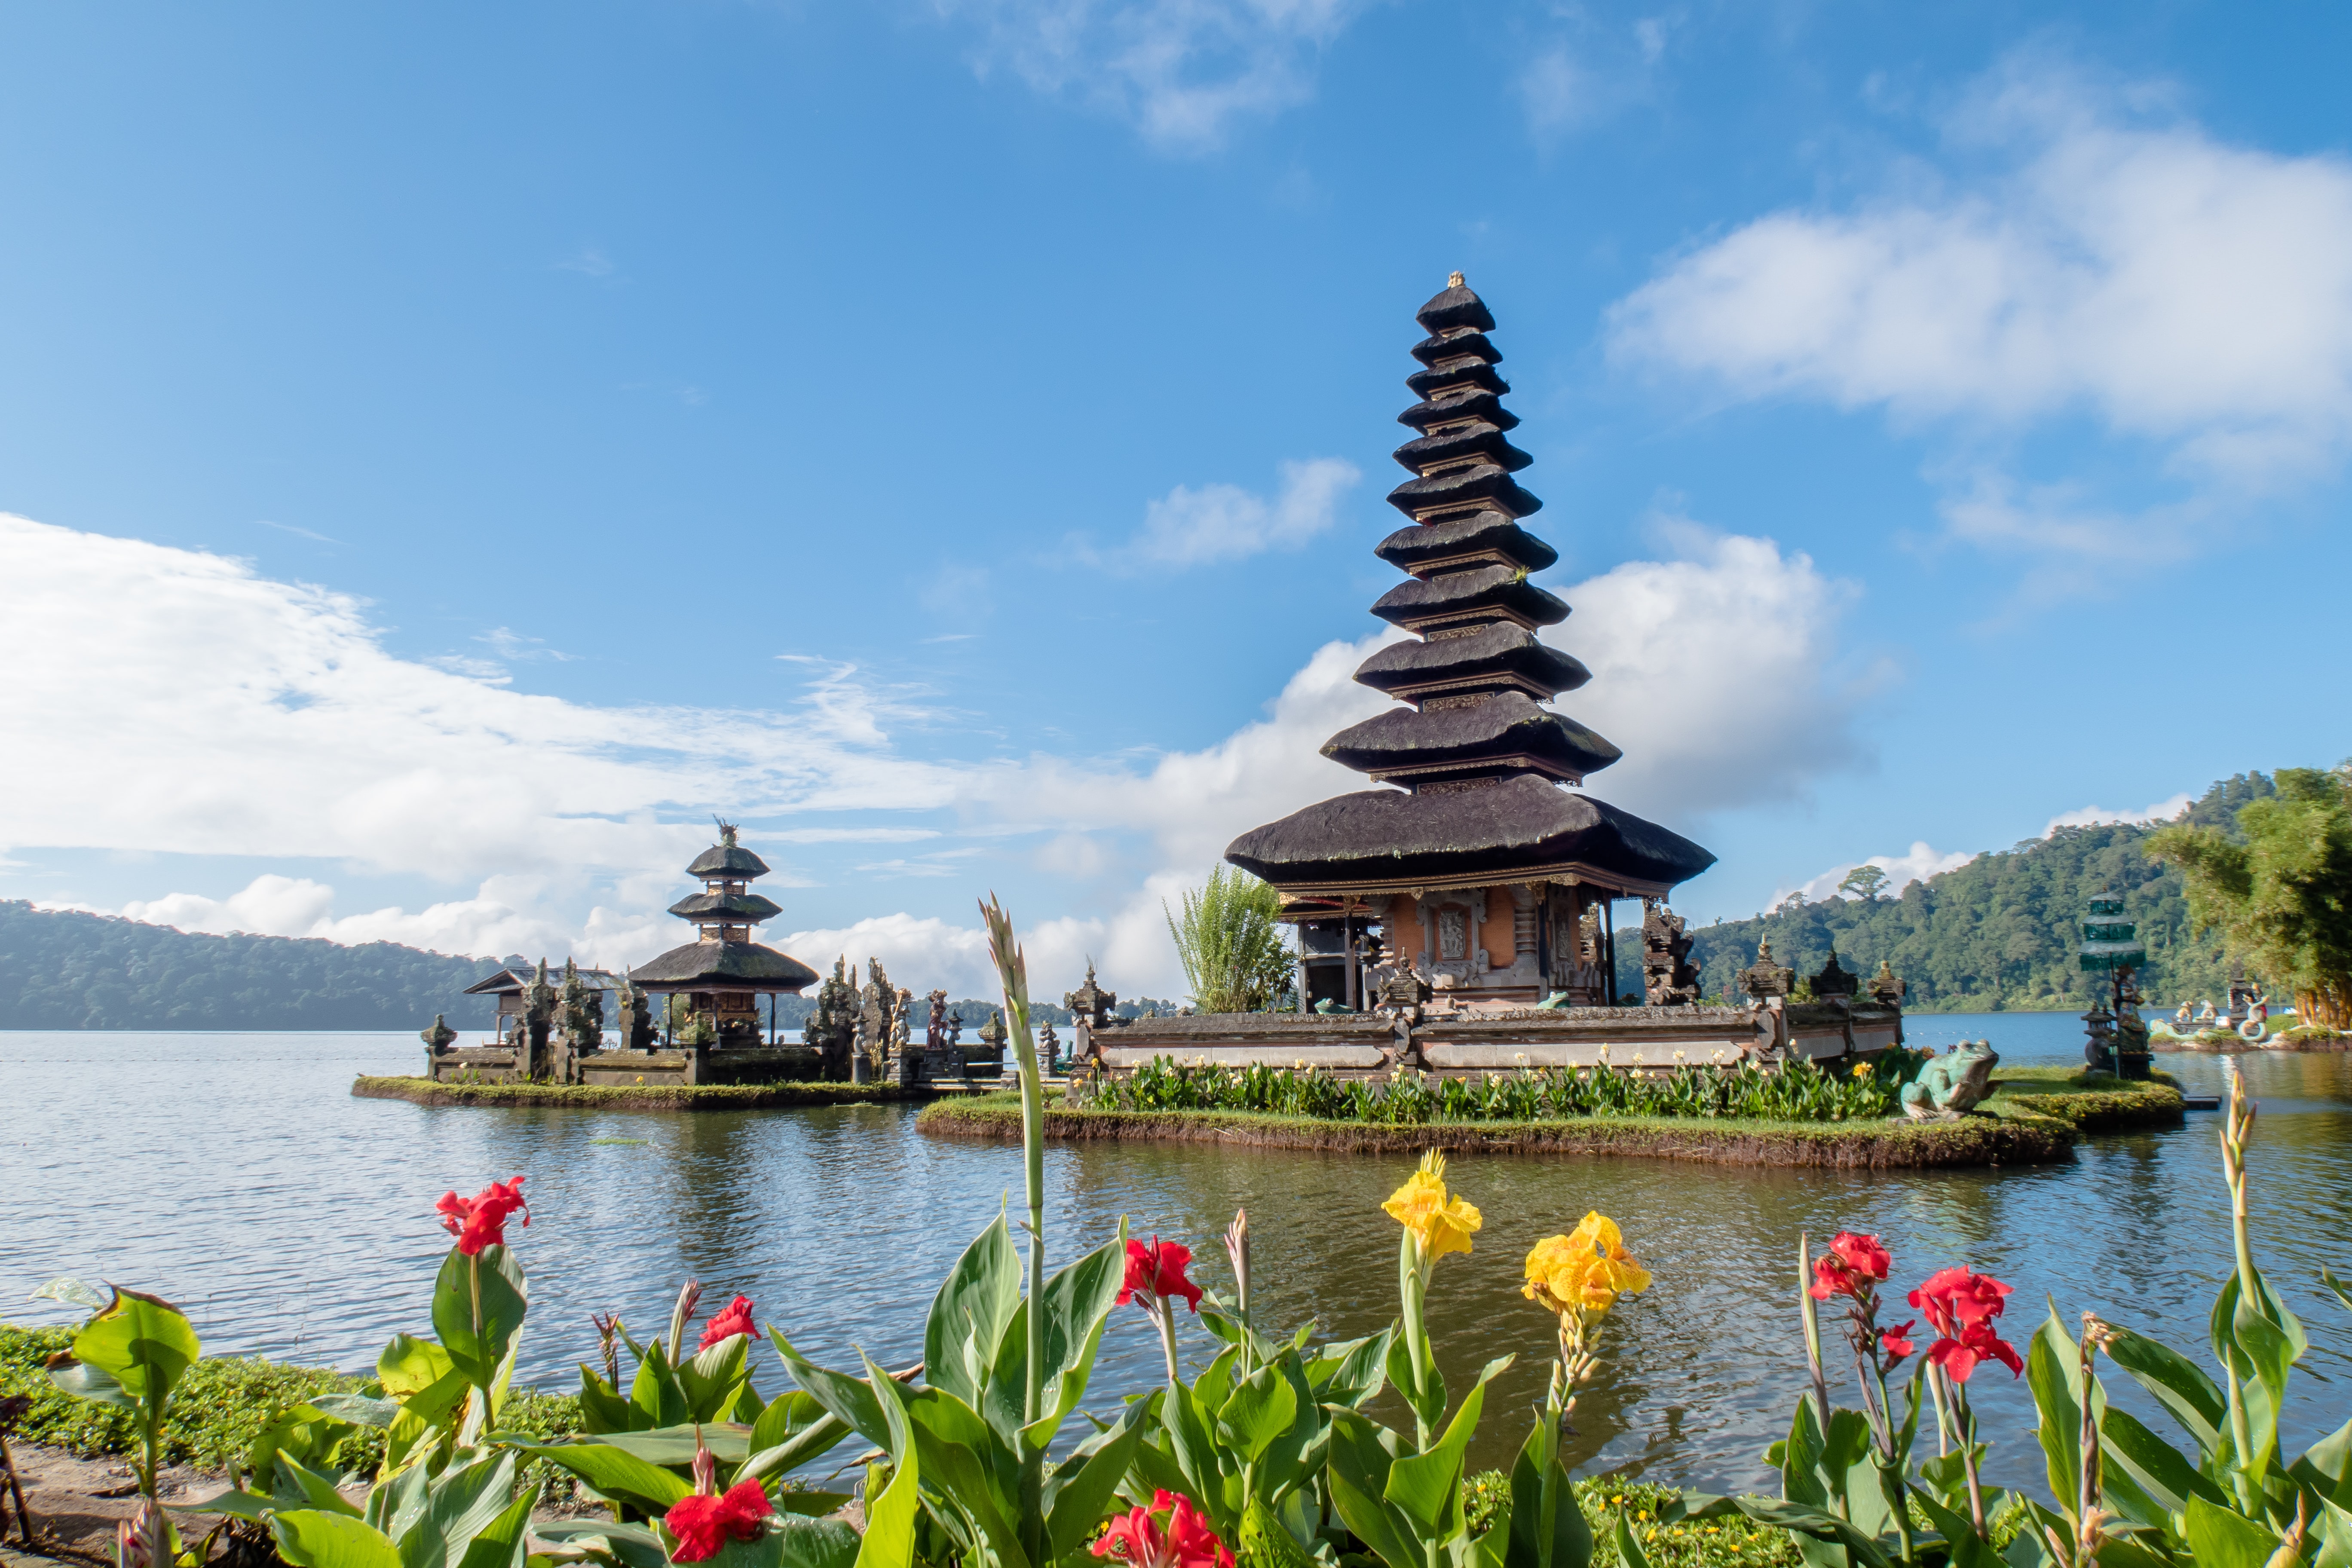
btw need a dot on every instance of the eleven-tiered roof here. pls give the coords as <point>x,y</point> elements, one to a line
<point>1480,758</point>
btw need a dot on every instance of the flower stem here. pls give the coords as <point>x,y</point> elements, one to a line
<point>1165,1317</point>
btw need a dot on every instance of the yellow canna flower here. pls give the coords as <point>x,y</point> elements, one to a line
<point>1584,1271</point>
<point>1438,1226</point>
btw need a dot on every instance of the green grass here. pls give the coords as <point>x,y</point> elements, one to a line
<point>219,1408</point>
<point>1700,1543</point>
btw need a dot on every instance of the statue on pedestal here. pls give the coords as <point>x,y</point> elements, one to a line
<point>538,1018</point>
<point>1667,978</point>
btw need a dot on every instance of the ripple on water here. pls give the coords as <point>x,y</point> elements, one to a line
<point>233,1175</point>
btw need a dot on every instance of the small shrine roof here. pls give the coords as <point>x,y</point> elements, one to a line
<point>1498,588</point>
<point>1454,345</point>
<point>1462,487</point>
<point>1503,649</point>
<point>724,965</point>
<point>1497,531</point>
<point>752,907</point>
<point>1384,839</point>
<point>731,861</point>
<point>509,979</point>
<point>1507,725</point>
<point>1453,308</point>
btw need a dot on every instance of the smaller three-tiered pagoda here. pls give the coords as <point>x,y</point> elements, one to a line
<point>723,973</point>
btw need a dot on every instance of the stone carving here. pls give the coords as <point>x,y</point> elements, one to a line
<point>1952,1085</point>
<point>992,1038</point>
<point>1886,986</point>
<point>532,1028</point>
<point>935,1031</point>
<point>832,1026</point>
<point>1452,933</point>
<point>902,1020</point>
<point>1833,980</point>
<point>1765,979</point>
<point>1049,1049</point>
<point>1667,978</point>
<point>1090,1005</point>
<point>436,1040</point>
<point>877,1022</point>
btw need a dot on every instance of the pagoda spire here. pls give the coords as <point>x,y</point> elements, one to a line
<point>1476,681</point>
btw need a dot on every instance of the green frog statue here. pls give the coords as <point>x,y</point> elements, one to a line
<point>1953,1084</point>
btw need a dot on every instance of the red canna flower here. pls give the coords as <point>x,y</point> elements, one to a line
<point>481,1221</point>
<point>1854,1264</point>
<point>1977,1342</point>
<point>1158,1271</point>
<point>1954,1299</point>
<point>704,1524</point>
<point>1897,1341</point>
<point>735,1318</point>
<point>1186,1541</point>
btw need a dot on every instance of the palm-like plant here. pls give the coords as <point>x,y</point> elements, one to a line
<point>1229,939</point>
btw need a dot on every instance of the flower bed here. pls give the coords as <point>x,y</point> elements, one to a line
<point>1865,1145</point>
<point>644,1097</point>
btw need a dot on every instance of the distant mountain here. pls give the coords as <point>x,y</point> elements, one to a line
<point>64,970</point>
<point>2000,931</point>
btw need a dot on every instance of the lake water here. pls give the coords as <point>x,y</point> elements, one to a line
<point>235,1175</point>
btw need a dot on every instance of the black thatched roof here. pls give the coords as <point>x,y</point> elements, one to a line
<point>724,966</point>
<point>1509,724</point>
<point>1491,652</point>
<point>752,907</point>
<point>1495,533</point>
<point>1496,588</point>
<point>1386,839</point>
<point>731,861</point>
<point>1478,440</point>
<point>1445,410</point>
<point>511,979</point>
<point>1465,487</point>
<point>1453,308</point>
<point>1427,383</point>
<point>1453,345</point>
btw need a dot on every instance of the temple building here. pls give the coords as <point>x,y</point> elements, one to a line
<point>1477,861</point>
<point>723,972</point>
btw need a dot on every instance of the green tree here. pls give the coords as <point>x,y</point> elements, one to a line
<point>1229,939</point>
<point>1864,881</point>
<point>2279,890</point>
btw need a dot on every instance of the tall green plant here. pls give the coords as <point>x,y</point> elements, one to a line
<point>1228,937</point>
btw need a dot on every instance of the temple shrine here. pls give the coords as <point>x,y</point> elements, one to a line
<point>1458,916</point>
<point>1478,865</point>
<point>723,973</point>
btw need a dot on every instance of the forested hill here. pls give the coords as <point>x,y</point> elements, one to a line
<point>64,970</point>
<point>2000,931</point>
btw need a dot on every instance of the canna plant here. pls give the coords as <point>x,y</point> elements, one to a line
<point>1003,1369</point>
<point>130,1355</point>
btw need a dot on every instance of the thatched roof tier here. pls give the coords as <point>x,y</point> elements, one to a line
<point>1472,373</point>
<point>723,966</point>
<point>1502,592</point>
<point>1469,341</point>
<point>1507,729</point>
<point>1452,489</point>
<point>1384,840</point>
<point>728,861</point>
<point>1491,658</point>
<point>1450,409</point>
<point>734,908</point>
<point>1421,548</point>
<point>1476,439</point>
<point>1453,308</point>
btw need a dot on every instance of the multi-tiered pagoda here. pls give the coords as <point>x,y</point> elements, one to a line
<point>723,972</point>
<point>1477,862</point>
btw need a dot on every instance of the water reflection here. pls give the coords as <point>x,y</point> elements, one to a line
<point>234,1174</point>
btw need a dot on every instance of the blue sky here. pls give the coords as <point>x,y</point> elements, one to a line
<point>456,450</point>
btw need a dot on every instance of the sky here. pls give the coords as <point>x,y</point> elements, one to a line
<point>450,453</point>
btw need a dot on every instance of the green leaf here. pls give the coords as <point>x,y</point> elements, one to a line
<point>1428,1487</point>
<point>1629,1551</point>
<point>891,1519</point>
<point>2053,1365</point>
<point>141,1342</point>
<point>311,1539</point>
<point>505,1298</point>
<point>462,1503</point>
<point>714,1378</point>
<point>1216,1382</point>
<point>1080,1490</point>
<point>1376,1524</point>
<point>306,1432</point>
<point>293,1484</point>
<point>2333,1530</point>
<point>2178,1385</point>
<point>84,1381</point>
<point>625,1545</point>
<point>1966,1549</point>
<point>655,1394</point>
<point>792,1543</point>
<point>2326,1466</point>
<point>1260,1409</point>
<point>672,1447</point>
<point>1428,1405</point>
<point>615,1472</point>
<point>358,1409</point>
<point>1545,1532</point>
<point>969,1314</point>
<point>500,1543</point>
<point>1078,1301</point>
<point>847,1398</point>
<point>2221,1538</point>
<point>245,1505</point>
<point>1819,1524</point>
<point>2155,1467</point>
<point>1352,1374</point>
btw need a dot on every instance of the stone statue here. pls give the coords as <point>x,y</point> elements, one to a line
<point>1833,980</point>
<point>1090,1005</point>
<point>437,1038</point>
<point>935,1031</point>
<point>1952,1085</point>
<point>1765,978</point>
<point>1667,978</point>
<point>579,1013</point>
<point>1886,988</point>
<point>538,1017</point>
<point>877,1022</point>
<point>993,1036</point>
<point>831,1028</point>
<point>902,1017</point>
<point>1049,1049</point>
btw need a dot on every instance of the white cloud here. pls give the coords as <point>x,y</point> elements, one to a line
<point>2176,288</point>
<point>1189,527</point>
<point>1182,71</point>
<point>1570,83</point>
<point>2164,810</point>
<point>213,712</point>
<point>1923,862</point>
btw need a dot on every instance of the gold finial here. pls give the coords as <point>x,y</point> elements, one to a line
<point>1453,280</point>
